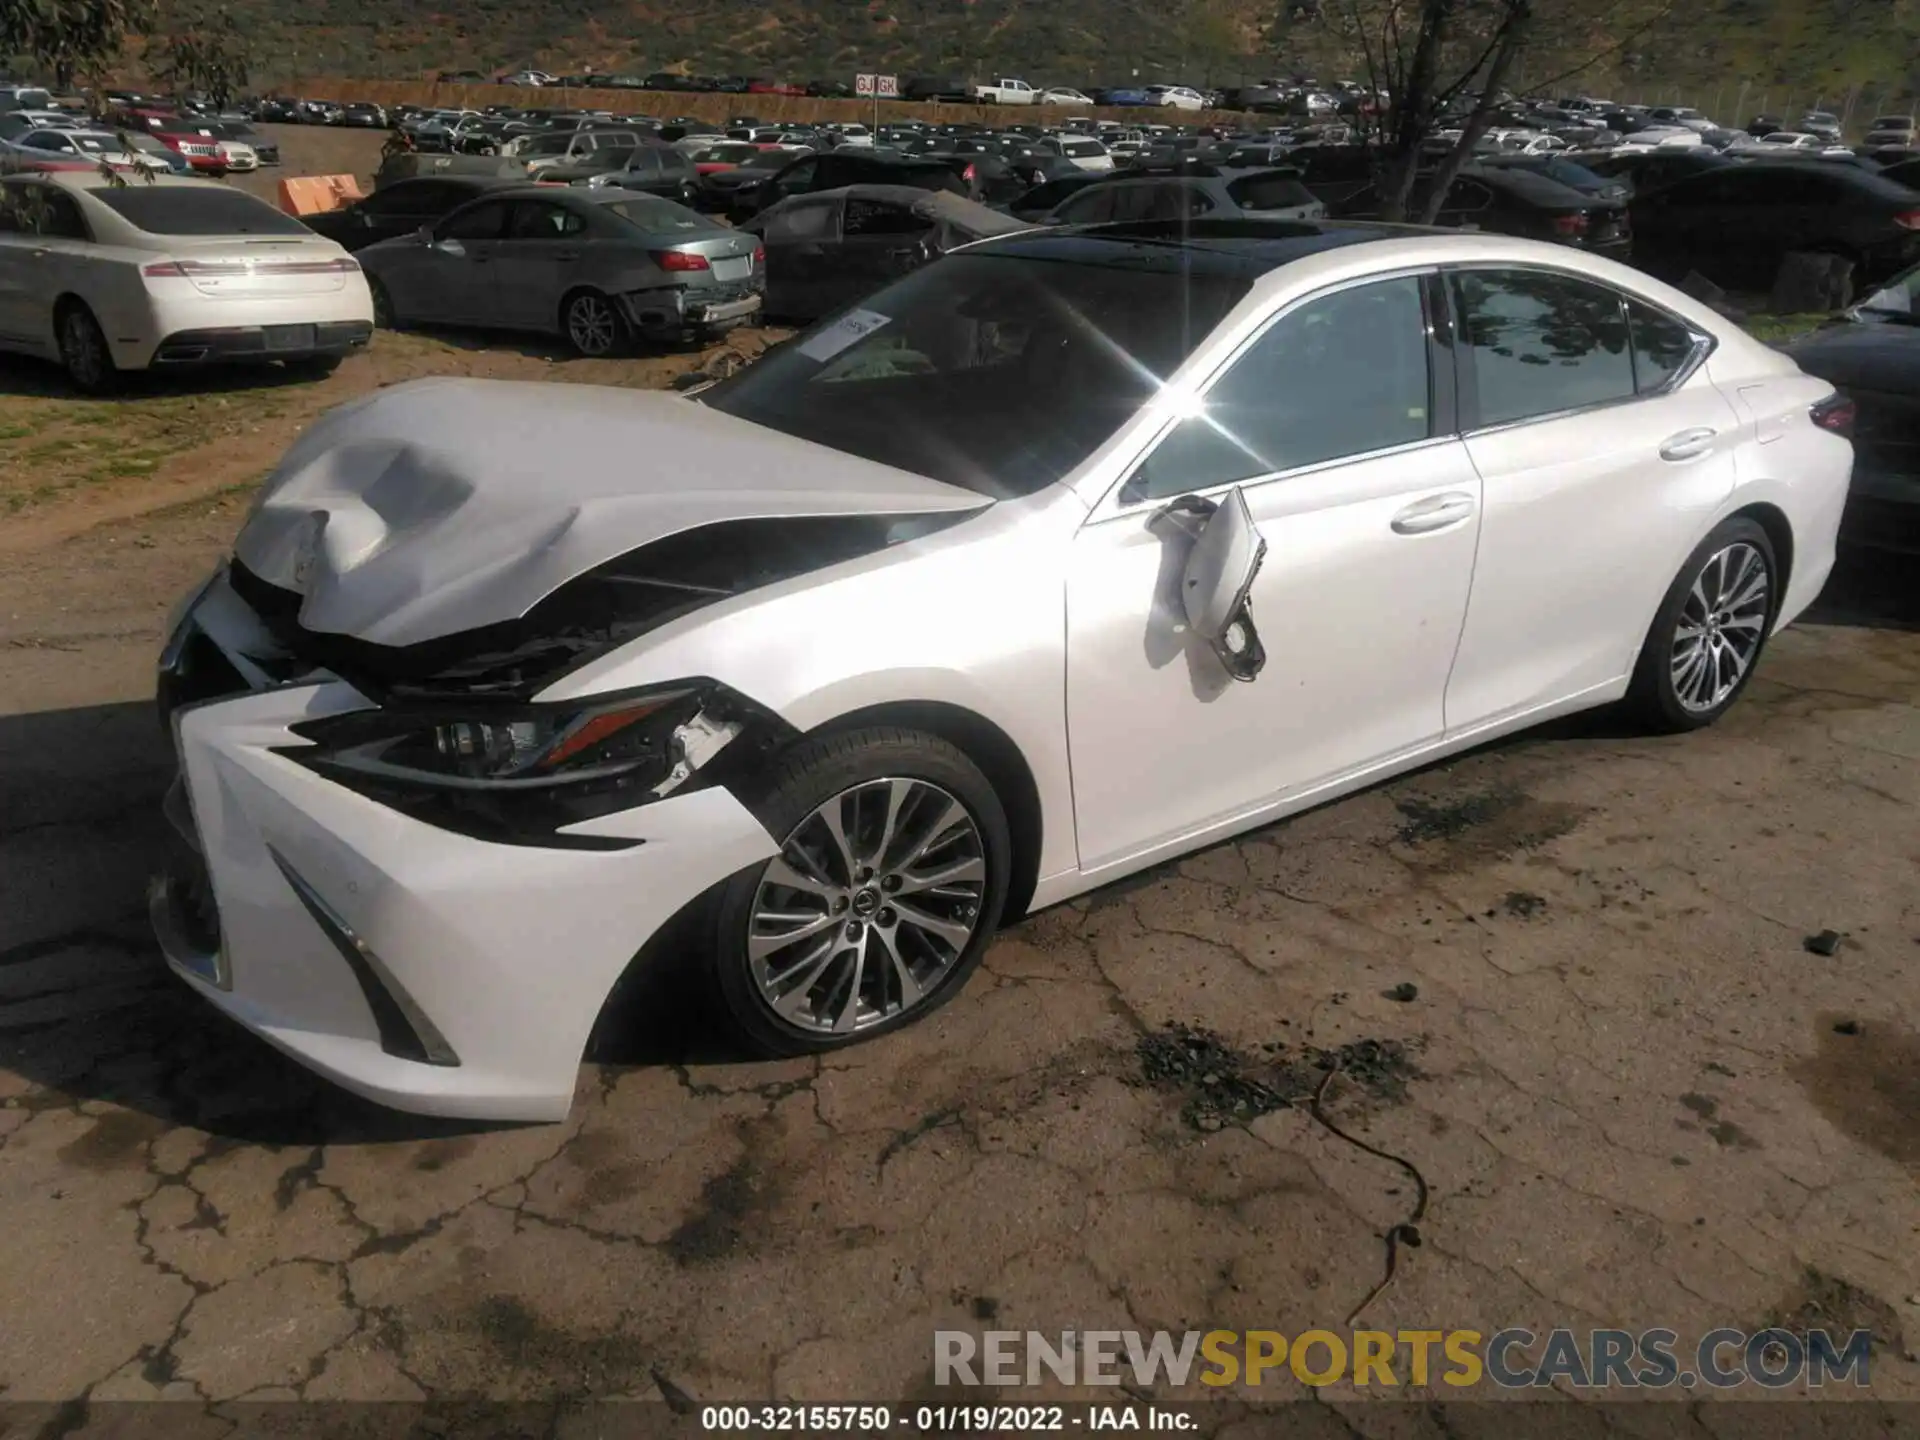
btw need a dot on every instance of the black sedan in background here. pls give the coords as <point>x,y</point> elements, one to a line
<point>838,168</point>
<point>1509,201</point>
<point>402,208</point>
<point>1872,355</point>
<point>1650,169</point>
<point>1734,225</point>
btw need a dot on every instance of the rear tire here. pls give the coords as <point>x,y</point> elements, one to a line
<point>593,325</point>
<point>1710,631</point>
<point>882,925</point>
<point>83,350</point>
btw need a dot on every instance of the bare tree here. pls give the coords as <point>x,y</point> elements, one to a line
<point>1442,67</point>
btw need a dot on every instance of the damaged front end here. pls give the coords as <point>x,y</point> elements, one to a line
<point>454,735</point>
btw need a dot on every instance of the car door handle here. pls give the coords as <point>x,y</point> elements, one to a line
<point>1436,512</point>
<point>1687,444</point>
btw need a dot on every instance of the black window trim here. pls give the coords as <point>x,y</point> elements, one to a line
<point>1443,396</point>
<point>1468,379</point>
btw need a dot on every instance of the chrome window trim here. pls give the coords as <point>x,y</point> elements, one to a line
<point>1704,345</point>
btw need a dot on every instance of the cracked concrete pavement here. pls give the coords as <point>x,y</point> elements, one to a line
<point>1634,1099</point>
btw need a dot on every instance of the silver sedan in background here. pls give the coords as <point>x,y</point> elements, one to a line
<point>598,268</point>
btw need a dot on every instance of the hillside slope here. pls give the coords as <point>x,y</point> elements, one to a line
<point>1805,47</point>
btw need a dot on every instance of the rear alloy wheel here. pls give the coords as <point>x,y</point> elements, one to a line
<point>1711,629</point>
<point>593,327</point>
<point>83,350</point>
<point>882,900</point>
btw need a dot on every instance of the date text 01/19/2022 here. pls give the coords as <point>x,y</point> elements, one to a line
<point>936,1419</point>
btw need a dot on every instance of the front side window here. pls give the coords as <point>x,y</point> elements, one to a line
<point>1337,376</point>
<point>1541,343</point>
<point>485,221</point>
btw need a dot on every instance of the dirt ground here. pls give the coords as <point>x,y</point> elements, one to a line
<point>1568,974</point>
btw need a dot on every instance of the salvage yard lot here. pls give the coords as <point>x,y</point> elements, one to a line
<point>1570,971</point>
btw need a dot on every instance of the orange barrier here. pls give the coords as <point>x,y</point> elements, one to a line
<point>311,194</point>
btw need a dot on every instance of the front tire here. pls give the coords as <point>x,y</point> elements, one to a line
<point>385,317</point>
<point>1707,638</point>
<point>884,897</point>
<point>84,352</point>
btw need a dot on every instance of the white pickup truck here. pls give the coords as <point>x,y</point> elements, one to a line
<point>1006,91</point>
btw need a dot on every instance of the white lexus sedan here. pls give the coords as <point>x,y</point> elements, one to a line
<point>1071,552</point>
<point>113,274</point>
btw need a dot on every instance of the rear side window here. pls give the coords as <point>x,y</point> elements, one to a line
<point>1661,346</point>
<point>195,209</point>
<point>1542,343</point>
<point>1336,377</point>
<point>1268,192</point>
<point>808,220</point>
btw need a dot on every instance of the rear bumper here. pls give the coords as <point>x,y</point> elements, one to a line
<point>674,309</point>
<point>262,342</point>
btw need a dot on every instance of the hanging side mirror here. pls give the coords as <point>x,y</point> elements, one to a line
<point>1216,587</point>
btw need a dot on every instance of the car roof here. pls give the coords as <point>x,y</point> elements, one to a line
<point>1244,247</point>
<point>92,179</point>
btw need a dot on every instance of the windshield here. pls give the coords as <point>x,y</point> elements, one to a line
<point>195,209</point>
<point>996,372</point>
<point>1898,299</point>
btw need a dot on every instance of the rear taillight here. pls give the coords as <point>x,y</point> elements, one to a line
<point>1835,413</point>
<point>970,174</point>
<point>1574,224</point>
<point>759,254</point>
<point>236,269</point>
<point>1908,219</point>
<point>680,260</point>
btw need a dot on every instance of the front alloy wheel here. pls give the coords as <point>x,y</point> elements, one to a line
<point>874,898</point>
<point>890,879</point>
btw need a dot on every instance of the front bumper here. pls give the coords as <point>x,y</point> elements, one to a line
<point>424,970</point>
<point>263,342</point>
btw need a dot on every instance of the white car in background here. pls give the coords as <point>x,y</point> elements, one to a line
<point>240,156</point>
<point>1177,97</point>
<point>1086,153</point>
<point>17,122</point>
<point>110,275</point>
<point>490,707</point>
<point>102,147</point>
<point>1064,96</point>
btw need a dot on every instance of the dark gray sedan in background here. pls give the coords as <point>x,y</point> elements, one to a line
<point>598,267</point>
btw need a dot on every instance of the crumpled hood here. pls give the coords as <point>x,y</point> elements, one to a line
<point>446,504</point>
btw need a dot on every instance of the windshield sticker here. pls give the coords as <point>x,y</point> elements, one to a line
<point>851,327</point>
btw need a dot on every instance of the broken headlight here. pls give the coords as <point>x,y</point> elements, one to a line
<point>520,774</point>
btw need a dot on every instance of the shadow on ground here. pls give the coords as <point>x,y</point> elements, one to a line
<point>23,376</point>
